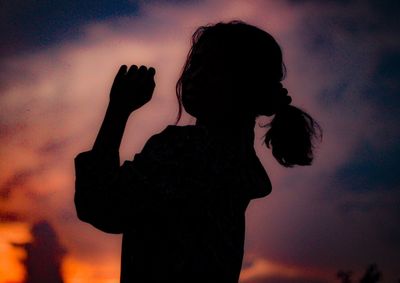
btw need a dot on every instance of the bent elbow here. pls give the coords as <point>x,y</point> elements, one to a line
<point>82,214</point>
<point>95,217</point>
<point>100,223</point>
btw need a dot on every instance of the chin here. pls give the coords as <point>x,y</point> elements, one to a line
<point>267,112</point>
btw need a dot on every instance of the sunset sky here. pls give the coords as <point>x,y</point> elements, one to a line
<point>58,60</point>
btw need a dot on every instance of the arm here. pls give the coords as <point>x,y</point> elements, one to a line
<point>98,186</point>
<point>130,91</point>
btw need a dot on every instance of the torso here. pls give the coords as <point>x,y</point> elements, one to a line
<point>197,234</point>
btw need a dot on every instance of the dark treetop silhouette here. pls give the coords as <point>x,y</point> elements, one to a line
<point>181,202</point>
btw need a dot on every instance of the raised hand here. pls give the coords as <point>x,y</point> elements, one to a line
<point>132,88</point>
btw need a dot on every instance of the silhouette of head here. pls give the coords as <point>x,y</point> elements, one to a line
<point>233,72</point>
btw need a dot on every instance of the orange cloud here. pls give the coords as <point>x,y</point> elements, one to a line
<point>11,269</point>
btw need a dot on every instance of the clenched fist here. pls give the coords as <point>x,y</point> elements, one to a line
<point>132,88</point>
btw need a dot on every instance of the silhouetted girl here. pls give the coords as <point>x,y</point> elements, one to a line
<point>181,202</point>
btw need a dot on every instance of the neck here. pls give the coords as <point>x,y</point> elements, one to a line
<point>237,133</point>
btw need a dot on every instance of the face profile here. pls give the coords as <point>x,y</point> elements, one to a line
<point>231,69</point>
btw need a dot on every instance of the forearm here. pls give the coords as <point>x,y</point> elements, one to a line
<point>97,172</point>
<point>101,182</point>
<point>111,131</point>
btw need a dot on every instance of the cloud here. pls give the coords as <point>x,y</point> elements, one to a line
<point>260,270</point>
<point>53,101</point>
<point>12,233</point>
<point>31,25</point>
<point>10,216</point>
<point>17,180</point>
<point>44,255</point>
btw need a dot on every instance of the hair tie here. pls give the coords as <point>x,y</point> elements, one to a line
<point>284,99</point>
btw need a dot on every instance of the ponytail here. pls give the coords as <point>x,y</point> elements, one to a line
<point>292,136</point>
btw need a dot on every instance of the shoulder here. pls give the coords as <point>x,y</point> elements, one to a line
<point>175,140</point>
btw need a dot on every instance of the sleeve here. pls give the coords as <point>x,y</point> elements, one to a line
<point>109,196</point>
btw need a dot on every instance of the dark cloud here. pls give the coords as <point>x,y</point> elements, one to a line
<point>373,165</point>
<point>385,84</point>
<point>285,280</point>
<point>53,147</point>
<point>319,1</point>
<point>388,67</point>
<point>365,55</point>
<point>10,216</point>
<point>371,169</point>
<point>29,25</point>
<point>18,179</point>
<point>388,7</point>
<point>44,255</point>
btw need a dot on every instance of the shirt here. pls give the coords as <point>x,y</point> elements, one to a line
<point>180,204</point>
